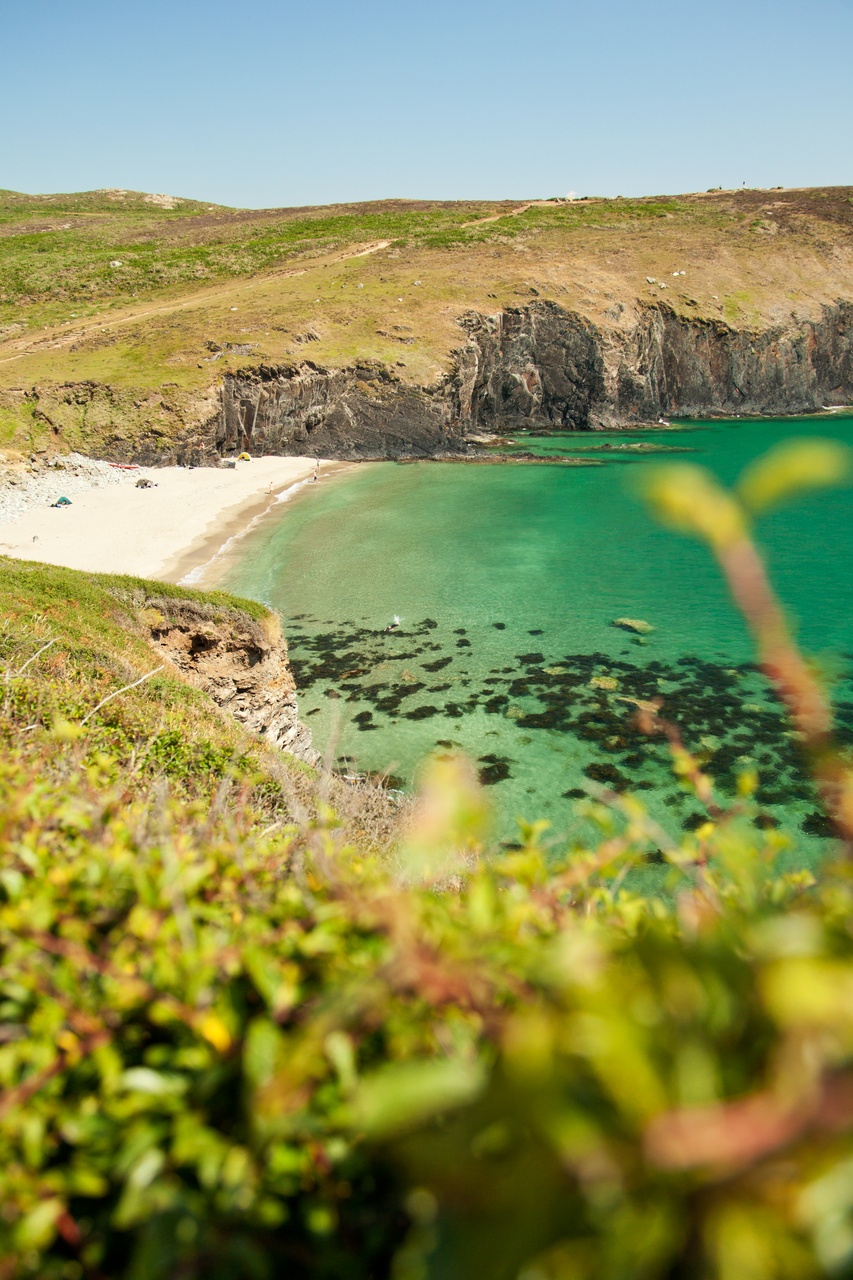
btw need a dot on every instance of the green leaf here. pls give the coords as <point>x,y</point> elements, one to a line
<point>793,468</point>
<point>401,1096</point>
<point>261,1052</point>
<point>144,1080</point>
<point>38,1228</point>
<point>689,499</point>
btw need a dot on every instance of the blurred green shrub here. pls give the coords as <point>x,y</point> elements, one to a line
<point>228,1051</point>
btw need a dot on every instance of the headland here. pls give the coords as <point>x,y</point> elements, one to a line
<point>159,335</point>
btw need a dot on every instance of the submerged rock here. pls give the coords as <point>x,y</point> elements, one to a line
<point>634,624</point>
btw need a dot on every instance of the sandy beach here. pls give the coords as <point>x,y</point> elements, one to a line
<point>173,531</point>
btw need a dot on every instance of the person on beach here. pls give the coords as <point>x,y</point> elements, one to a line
<point>316,471</point>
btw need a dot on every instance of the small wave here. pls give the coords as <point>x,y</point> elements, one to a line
<point>197,575</point>
<point>287,494</point>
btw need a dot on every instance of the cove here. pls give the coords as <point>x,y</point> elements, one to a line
<point>508,578</point>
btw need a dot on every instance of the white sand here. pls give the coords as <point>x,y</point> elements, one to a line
<point>170,532</point>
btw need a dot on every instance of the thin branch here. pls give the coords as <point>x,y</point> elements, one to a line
<point>110,696</point>
<point>32,659</point>
<point>17,1097</point>
<point>795,683</point>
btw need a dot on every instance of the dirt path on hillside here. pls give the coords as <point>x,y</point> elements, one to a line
<point>63,336</point>
<point>513,213</point>
<point>57,337</point>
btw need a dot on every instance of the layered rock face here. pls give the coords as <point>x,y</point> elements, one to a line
<point>242,667</point>
<point>362,412</point>
<point>543,366</point>
<point>671,365</point>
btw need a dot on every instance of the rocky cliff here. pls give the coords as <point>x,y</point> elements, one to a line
<point>541,365</point>
<point>538,365</point>
<point>363,412</point>
<point>407,329</point>
<point>239,662</point>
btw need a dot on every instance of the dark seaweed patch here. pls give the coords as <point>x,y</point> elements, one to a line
<point>421,713</point>
<point>494,769</point>
<point>817,824</point>
<point>438,665</point>
<point>406,690</point>
<point>727,715</point>
<point>608,776</point>
<point>770,795</point>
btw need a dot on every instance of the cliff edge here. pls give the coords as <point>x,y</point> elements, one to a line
<point>240,661</point>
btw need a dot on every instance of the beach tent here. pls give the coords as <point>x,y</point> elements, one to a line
<point>244,457</point>
<point>62,502</point>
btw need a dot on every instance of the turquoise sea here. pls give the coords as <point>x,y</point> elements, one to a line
<point>508,578</point>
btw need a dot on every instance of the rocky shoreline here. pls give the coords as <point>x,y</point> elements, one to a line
<point>240,662</point>
<point>542,366</point>
<point>537,366</point>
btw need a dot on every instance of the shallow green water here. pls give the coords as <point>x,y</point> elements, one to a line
<point>508,578</point>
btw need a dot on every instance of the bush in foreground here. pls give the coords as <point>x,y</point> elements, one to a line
<point>233,1050</point>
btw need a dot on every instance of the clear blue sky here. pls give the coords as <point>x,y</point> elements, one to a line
<point>269,102</point>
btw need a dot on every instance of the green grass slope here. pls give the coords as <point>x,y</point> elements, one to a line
<point>73,647</point>
<point>93,641</point>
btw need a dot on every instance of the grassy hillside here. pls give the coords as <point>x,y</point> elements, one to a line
<point>71,641</point>
<point>155,297</point>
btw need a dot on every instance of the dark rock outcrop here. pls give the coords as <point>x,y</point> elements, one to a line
<point>533,366</point>
<point>541,365</point>
<point>537,364</point>
<point>364,412</point>
<point>668,364</point>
